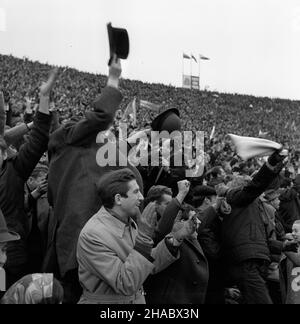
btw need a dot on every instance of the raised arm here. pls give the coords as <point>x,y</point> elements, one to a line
<point>267,173</point>
<point>105,107</point>
<point>165,224</point>
<point>31,152</point>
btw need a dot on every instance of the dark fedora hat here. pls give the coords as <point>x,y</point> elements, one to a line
<point>168,119</point>
<point>5,234</point>
<point>118,41</point>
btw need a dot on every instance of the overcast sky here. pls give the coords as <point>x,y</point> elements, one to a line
<point>253,45</point>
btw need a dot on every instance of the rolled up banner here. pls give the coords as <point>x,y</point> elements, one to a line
<point>249,147</point>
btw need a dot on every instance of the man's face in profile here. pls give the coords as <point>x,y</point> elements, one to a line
<point>133,200</point>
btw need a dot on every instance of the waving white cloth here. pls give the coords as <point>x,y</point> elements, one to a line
<point>249,147</point>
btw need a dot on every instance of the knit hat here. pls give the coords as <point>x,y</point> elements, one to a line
<point>5,234</point>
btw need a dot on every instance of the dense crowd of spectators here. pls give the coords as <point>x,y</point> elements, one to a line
<point>200,110</point>
<point>228,219</point>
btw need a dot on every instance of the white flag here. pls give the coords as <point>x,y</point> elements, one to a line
<point>249,147</point>
<point>212,134</point>
<point>130,111</point>
<point>149,105</point>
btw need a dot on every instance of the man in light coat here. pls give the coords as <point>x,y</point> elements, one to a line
<point>116,255</point>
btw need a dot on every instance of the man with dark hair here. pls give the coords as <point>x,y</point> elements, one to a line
<point>111,184</point>
<point>162,195</point>
<point>203,196</point>
<point>116,255</point>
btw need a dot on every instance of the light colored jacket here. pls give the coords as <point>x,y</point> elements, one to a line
<point>111,271</point>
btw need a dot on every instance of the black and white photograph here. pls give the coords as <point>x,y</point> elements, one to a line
<point>149,154</point>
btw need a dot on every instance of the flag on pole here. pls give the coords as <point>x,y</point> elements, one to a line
<point>185,56</point>
<point>202,57</point>
<point>130,111</point>
<point>212,134</point>
<point>193,57</point>
<point>149,105</point>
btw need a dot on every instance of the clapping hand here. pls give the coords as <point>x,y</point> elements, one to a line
<point>183,189</point>
<point>47,86</point>
<point>147,221</point>
<point>184,228</point>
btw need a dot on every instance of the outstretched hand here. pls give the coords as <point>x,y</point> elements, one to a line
<point>45,90</point>
<point>115,71</point>
<point>184,228</point>
<point>183,189</point>
<point>47,86</point>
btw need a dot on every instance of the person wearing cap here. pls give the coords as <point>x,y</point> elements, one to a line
<point>184,281</point>
<point>245,249</point>
<point>13,176</point>
<point>168,120</point>
<point>289,210</point>
<point>73,175</point>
